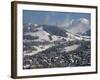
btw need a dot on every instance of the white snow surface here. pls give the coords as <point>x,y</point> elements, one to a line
<point>70,48</point>
<point>39,49</point>
<point>43,35</point>
<point>77,37</point>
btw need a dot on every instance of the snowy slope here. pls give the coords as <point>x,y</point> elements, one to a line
<point>39,49</point>
<point>70,48</point>
<point>43,35</point>
<point>77,36</point>
<point>47,38</point>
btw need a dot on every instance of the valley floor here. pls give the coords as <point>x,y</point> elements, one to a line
<point>59,54</point>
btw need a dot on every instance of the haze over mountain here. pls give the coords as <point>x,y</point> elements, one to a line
<point>48,44</point>
<point>78,26</point>
<point>76,30</point>
<point>56,39</point>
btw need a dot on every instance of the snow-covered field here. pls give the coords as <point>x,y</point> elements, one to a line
<point>39,49</point>
<point>70,48</point>
<point>44,36</point>
<point>48,48</point>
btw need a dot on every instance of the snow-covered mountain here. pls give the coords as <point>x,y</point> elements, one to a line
<point>52,43</point>
<point>40,33</point>
<point>44,33</point>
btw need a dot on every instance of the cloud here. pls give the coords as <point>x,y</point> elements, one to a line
<point>49,17</point>
<point>66,22</point>
<point>84,20</point>
<point>79,25</point>
<point>81,22</point>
